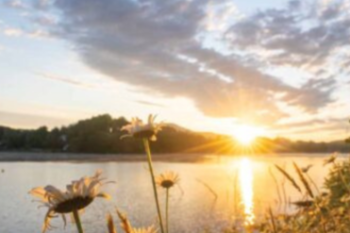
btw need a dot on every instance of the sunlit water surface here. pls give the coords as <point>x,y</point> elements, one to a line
<point>244,188</point>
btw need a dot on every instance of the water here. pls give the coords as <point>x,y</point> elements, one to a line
<point>243,185</point>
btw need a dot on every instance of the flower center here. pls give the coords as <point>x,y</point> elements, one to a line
<point>167,184</point>
<point>144,133</point>
<point>76,203</point>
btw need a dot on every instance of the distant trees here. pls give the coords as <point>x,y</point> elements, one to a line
<point>23,139</point>
<point>348,139</point>
<point>101,134</point>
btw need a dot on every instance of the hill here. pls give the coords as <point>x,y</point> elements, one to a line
<point>101,134</point>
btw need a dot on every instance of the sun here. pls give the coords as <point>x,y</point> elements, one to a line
<point>245,134</point>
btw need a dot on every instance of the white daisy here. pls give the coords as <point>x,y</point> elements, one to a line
<point>138,129</point>
<point>167,179</point>
<point>79,194</point>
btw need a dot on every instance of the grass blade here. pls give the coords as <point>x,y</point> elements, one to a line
<point>110,224</point>
<point>289,177</point>
<point>274,228</point>
<point>303,180</point>
<point>125,222</point>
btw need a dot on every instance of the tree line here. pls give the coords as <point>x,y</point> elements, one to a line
<point>102,134</point>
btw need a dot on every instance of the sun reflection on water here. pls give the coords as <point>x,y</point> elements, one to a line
<point>246,187</point>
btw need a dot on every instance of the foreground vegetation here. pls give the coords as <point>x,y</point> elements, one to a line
<point>321,209</point>
<point>326,211</point>
<point>102,134</point>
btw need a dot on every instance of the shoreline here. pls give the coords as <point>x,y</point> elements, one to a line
<point>82,157</point>
<point>178,157</point>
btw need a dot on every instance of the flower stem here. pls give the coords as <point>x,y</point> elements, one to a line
<point>167,210</point>
<point>77,221</point>
<point>149,159</point>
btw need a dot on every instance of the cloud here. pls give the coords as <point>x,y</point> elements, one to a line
<point>159,47</point>
<point>34,34</point>
<point>149,103</point>
<point>44,20</point>
<point>15,32</point>
<point>22,120</point>
<point>302,35</point>
<point>318,127</point>
<point>218,16</point>
<point>43,4</point>
<point>64,80</point>
<point>39,34</point>
<point>311,122</point>
<point>16,4</point>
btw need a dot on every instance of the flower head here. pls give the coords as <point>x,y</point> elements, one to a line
<point>79,194</point>
<point>138,129</point>
<point>168,179</point>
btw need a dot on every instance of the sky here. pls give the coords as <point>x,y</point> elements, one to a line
<point>280,67</point>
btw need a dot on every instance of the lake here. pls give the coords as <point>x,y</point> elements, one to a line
<point>244,188</point>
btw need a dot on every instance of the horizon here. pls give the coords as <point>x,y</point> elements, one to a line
<point>278,68</point>
<point>174,125</point>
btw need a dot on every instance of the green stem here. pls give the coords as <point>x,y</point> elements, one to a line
<point>167,210</point>
<point>77,221</point>
<point>149,159</point>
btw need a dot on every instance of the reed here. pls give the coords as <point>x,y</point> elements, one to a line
<point>277,186</point>
<point>289,177</point>
<point>125,224</point>
<point>273,222</point>
<point>303,180</point>
<point>211,190</point>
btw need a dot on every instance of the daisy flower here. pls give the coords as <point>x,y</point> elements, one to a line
<point>167,179</point>
<point>146,132</point>
<point>138,129</point>
<point>79,195</point>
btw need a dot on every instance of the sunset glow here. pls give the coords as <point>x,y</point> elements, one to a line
<point>145,61</point>
<point>246,186</point>
<point>246,134</point>
<point>201,115</point>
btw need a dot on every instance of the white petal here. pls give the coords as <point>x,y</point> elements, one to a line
<point>54,192</point>
<point>104,195</point>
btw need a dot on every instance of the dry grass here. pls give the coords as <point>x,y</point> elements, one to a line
<point>289,177</point>
<point>110,224</point>
<point>125,224</point>
<point>323,213</point>
<point>211,190</point>
<point>303,180</point>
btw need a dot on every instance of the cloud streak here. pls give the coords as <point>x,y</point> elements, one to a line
<point>22,120</point>
<point>64,80</point>
<point>149,103</point>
